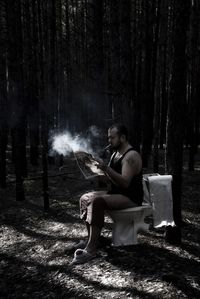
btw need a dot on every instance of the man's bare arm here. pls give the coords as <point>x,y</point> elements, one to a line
<point>131,165</point>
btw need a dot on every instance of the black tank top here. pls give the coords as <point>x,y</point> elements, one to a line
<point>135,188</point>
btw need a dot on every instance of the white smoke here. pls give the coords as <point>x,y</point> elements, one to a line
<point>66,143</point>
<point>94,131</point>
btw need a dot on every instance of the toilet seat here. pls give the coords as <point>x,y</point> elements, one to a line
<point>157,201</point>
<point>127,223</point>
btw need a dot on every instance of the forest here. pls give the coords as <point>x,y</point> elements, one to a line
<point>69,65</point>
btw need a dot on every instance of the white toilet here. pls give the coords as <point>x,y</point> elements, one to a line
<point>157,201</point>
<point>127,223</point>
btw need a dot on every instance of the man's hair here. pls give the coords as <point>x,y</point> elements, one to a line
<point>121,129</point>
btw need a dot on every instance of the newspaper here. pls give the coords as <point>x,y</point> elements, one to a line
<point>88,165</point>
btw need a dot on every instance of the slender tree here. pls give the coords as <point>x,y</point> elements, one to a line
<point>3,95</point>
<point>125,62</point>
<point>148,100</point>
<point>193,81</point>
<point>16,92</point>
<point>177,105</point>
<point>156,90</point>
<point>137,41</point>
<point>33,116</point>
<point>43,106</point>
<point>115,61</point>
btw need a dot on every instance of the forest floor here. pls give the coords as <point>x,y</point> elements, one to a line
<point>34,262</point>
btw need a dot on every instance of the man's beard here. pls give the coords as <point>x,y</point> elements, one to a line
<point>117,147</point>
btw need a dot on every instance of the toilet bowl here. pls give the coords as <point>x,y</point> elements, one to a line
<point>127,223</point>
<point>157,200</point>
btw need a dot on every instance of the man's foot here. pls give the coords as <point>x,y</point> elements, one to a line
<point>103,242</point>
<point>80,245</point>
<point>82,256</point>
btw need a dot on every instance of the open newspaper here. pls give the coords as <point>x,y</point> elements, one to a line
<point>88,165</point>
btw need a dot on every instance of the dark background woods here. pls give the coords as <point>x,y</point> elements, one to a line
<point>70,64</point>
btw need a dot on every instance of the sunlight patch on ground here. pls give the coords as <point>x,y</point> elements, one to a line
<point>182,253</point>
<point>112,282</point>
<point>157,288</point>
<point>12,238</point>
<point>114,279</point>
<point>54,227</point>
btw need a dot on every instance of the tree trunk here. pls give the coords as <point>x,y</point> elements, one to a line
<point>164,103</point>
<point>95,63</point>
<point>16,93</point>
<point>43,112</point>
<point>67,68</point>
<point>193,78</point>
<point>177,103</point>
<point>3,98</point>
<point>148,100</point>
<point>137,69</point>
<point>156,91</point>
<point>115,62</point>
<point>33,115</point>
<point>126,62</point>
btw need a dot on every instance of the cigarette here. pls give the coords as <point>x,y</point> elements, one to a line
<point>107,147</point>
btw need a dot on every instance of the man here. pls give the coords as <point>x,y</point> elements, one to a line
<point>124,173</point>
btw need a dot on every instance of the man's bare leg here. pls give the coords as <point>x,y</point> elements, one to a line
<point>118,202</point>
<point>114,202</point>
<point>100,203</point>
<point>93,240</point>
<point>92,232</point>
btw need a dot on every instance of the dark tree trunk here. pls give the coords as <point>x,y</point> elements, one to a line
<point>3,128</point>
<point>177,104</point>
<point>163,43</point>
<point>99,60</point>
<point>43,112</point>
<point>115,62</point>
<point>67,67</point>
<point>148,100</point>
<point>156,91</point>
<point>19,143</point>
<point>34,88</point>
<point>95,63</point>
<point>16,93</point>
<point>164,102</point>
<point>136,136</point>
<point>125,62</point>
<point>156,135</point>
<point>3,146</point>
<point>44,133</point>
<point>193,78</point>
<point>60,69</point>
<point>3,97</point>
<point>137,69</point>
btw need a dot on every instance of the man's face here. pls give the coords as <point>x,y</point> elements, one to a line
<point>114,138</point>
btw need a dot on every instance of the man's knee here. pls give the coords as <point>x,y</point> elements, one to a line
<point>83,197</point>
<point>99,202</point>
<point>86,197</point>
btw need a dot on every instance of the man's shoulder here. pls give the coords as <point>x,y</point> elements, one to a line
<point>132,156</point>
<point>133,159</point>
<point>132,153</point>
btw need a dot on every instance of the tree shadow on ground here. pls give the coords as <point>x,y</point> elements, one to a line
<point>147,260</point>
<point>43,284</point>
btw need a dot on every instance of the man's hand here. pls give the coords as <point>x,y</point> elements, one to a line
<point>101,165</point>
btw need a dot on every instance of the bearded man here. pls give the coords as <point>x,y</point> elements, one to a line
<point>124,173</point>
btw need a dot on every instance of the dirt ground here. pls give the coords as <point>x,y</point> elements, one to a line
<point>34,262</point>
